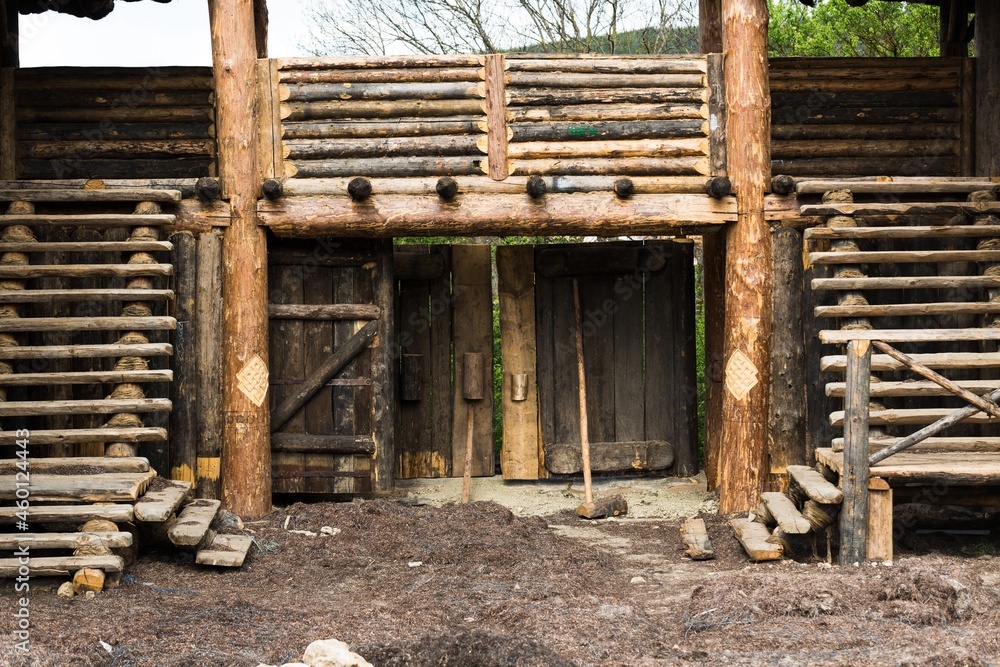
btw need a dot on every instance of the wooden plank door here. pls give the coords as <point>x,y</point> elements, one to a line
<point>637,312</point>
<point>328,297</point>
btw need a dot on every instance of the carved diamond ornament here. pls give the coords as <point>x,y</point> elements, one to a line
<point>741,375</point>
<point>253,380</point>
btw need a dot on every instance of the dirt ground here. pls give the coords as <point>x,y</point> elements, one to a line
<point>411,582</point>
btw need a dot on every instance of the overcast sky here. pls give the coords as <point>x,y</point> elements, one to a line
<point>145,33</point>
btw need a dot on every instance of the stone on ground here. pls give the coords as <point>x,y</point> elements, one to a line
<point>332,653</point>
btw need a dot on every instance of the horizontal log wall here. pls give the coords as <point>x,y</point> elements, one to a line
<point>96,122</point>
<point>870,117</point>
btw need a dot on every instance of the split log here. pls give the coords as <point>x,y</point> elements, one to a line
<point>754,538</point>
<point>785,514</point>
<point>633,166</point>
<point>906,282</point>
<point>54,566</point>
<point>597,64</point>
<point>397,75</point>
<point>815,485</point>
<point>386,167</point>
<point>379,62</point>
<point>88,579</point>
<point>297,111</point>
<point>405,146</point>
<point>611,149</point>
<point>696,543</point>
<point>513,185</point>
<point>327,92</point>
<point>90,436</point>
<point>607,112</point>
<point>559,96</point>
<point>602,508</point>
<point>380,129</point>
<point>610,130</point>
<point>587,80</point>
<point>193,523</point>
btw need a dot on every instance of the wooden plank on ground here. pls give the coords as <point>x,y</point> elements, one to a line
<point>106,487</point>
<point>696,542</point>
<point>67,465</point>
<point>225,551</point>
<point>193,522</point>
<point>69,513</point>
<point>472,281</point>
<point>158,506</point>
<point>789,519</point>
<point>815,485</point>
<point>515,274</point>
<point>111,540</point>
<point>59,565</point>
<point>753,536</point>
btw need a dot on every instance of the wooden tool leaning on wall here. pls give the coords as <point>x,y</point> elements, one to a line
<point>472,390</point>
<point>612,505</point>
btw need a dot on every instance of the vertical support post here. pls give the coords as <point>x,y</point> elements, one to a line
<point>9,20</point>
<point>496,116</point>
<point>742,463</point>
<point>9,58</point>
<point>184,389</point>
<point>246,442</point>
<point>854,479</point>
<point>384,373</point>
<point>260,24</point>
<point>954,22</point>
<point>879,540</point>
<point>713,248</point>
<point>987,88</point>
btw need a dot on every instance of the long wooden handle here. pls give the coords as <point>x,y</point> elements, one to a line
<point>467,479</point>
<point>588,489</point>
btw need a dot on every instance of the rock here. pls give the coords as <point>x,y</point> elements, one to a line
<point>327,530</point>
<point>332,653</point>
<point>227,523</point>
<point>638,580</point>
<point>295,664</point>
<point>66,590</point>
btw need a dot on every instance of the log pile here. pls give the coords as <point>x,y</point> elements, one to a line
<point>114,123</point>
<point>861,117</point>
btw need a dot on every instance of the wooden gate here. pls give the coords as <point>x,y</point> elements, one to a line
<point>445,311</point>
<point>638,323</point>
<point>332,394</point>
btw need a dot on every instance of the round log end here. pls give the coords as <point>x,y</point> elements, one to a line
<point>208,188</point>
<point>359,188</point>
<point>536,187</point>
<point>447,188</point>
<point>782,184</point>
<point>718,187</point>
<point>272,188</point>
<point>624,187</point>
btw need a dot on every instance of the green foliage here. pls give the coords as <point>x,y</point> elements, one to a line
<point>835,29</point>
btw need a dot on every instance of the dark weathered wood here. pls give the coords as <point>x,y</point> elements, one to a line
<point>323,311</point>
<point>208,330</point>
<point>298,150</point>
<point>597,259</point>
<point>414,438</point>
<point>646,455</point>
<point>987,88</point>
<point>854,480</point>
<point>324,444</point>
<point>411,374</point>
<point>599,355</point>
<point>628,362</point>
<point>8,118</point>
<point>717,107</point>
<point>287,356</point>
<point>473,376</point>
<point>473,332</point>
<point>419,266</point>
<point>184,390</point>
<point>788,359</point>
<point>714,262</point>
<point>384,374</point>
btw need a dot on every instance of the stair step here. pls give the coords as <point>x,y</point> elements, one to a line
<point>69,513</point>
<point>940,444</point>
<point>27,271</point>
<point>903,232</point>
<point>83,407</point>
<point>906,282</point>
<point>54,566</point>
<point>111,540</point>
<point>225,551</point>
<point>65,465</point>
<point>914,208</point>
<point>904,257</point>
<point>936,360</point>
<point>193,522</point>
<point>910,416</point>
<point>915,388</point>
<point>80,195</point>
<point>909,309</point>
<point>88,435</point>
<point>815,485</point>
<point>105,487</point>
<point>86,351</point>
<point>753,536</point>
<point>19,324</point>
<point>840,336</point>
<point>86,246</point>
<point>68,295</point>
<point>88,219</point>
<point>84,377</point>
<point>789,519</point>
<point>898,185</point>
<point>158,506</point>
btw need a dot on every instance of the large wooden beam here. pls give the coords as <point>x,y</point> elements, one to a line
<point>246,436</point>
<point>260,24</point>
<point>987,88</point>
<point>742,463</point>
<point>954,24</point>
<point>9,51</point>
<point>710,26</point>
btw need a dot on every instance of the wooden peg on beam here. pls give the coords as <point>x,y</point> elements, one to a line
<point>719,187</point>
<point>208,189</point>
<point>782,184</point>
<point>473,367</point>
<point>624,187</point>
<point>536,187</point>
<point>272,188</point>
<point>518,387</point>
<point>359,188</point>
<point>447,188</point>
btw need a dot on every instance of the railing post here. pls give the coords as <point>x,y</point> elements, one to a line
<point>854,479</point>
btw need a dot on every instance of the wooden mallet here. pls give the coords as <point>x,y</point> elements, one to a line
<point>472,390</point>
<point>613,505</point>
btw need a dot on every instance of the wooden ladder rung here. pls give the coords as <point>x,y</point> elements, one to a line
<point>898,185</point>
<point>158,506</point>
<point>193,522</point>
<point>83,407</point>
<point>111,540</point>
<point>88,220</point>
<point>86,351</point>
<point>69,513</point>
<point>84,270</point>
<point>59,565</point>
<point>915,388</point>
<point>225,551</point>
<point>940,444</point>
<point>839,336</point>
<point>88,435</point>
<point>54,465</point>
<point>19,324</point>
<point>909,416</point>
<point>915,208</point>
<point>936,360</point>
<point>907,282</point>
<point>68,295</point>
<point>80,195</point>
<point>87,246</point>
<point>103,487</point>
<point>84,377</point>
<point>907,309</point>
<point>904,257</point>
<point>903,232</point>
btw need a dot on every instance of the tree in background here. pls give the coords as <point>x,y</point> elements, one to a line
<point>833,28</point>
<point>378,27</point>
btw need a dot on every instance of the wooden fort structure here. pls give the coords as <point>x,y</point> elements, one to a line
<point>198,264</point>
